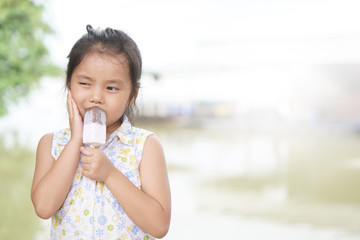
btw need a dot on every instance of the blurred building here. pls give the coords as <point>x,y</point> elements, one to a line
<point>321,95</point>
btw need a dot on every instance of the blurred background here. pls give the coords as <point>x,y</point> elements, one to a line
<point>257,104</point>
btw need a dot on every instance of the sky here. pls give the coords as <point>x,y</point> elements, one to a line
<point>198,34</point>
<point>254,53</point>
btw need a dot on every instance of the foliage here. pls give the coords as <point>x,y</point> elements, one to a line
<point>23,56</point>
<point>18,220</point>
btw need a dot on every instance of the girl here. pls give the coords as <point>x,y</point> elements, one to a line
<point>121,190</point>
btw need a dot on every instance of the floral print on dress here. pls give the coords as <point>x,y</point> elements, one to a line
<point>90,211</point>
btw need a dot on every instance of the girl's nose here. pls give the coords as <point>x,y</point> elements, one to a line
<point>97,97</point>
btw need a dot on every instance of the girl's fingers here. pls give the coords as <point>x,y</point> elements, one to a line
<point>86,151</point>
<point>75,110</point>
<point>72,108</point>
<point>75,119</point>
<point>85,161</point>
<point>69,104</point>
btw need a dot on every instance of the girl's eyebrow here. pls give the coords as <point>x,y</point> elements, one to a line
<point>84,76</point>
<point>111,81</point>
<point>115,81</point>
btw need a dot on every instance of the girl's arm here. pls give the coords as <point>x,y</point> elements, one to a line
<point>52,179</point>
<point>149,207</point>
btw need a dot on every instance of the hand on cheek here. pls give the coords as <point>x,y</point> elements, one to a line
<point>75,120</point>
<point>95,164</point>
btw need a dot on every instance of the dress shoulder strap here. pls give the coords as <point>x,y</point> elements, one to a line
<point>140,136</point>
<point>60,139</point>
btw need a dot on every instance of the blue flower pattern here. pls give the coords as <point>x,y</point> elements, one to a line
<point>129,174</point>
<point>135,229</point>
<point>102,220</point>
<point>99,232</point>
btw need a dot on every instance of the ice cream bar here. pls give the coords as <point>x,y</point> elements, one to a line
<point>94,132</point>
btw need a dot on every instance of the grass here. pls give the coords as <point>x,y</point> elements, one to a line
<point>18,220</point>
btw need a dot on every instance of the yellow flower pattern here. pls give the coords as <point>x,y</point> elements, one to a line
<point>124,151</point>
<point>132,161</point>
<point>78,174</point>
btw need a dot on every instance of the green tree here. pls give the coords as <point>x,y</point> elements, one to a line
<point>23,56</point>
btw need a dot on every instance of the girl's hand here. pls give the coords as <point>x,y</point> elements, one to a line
<point>75,119</point>
<point>95,164</point>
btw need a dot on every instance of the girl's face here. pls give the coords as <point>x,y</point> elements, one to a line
<point>103,81</point>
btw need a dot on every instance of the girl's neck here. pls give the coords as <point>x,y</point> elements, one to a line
<point>110,129</point>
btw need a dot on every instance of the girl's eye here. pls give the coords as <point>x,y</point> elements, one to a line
<point>111,88</point>
<point>84,83</point>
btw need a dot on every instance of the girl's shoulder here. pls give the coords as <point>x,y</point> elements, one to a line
<point>140,135</point>
<point>46,140</point>
<point>147,139</point>
<point>45,145</point>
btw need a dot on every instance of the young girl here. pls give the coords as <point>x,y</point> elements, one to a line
<point>120,190</point>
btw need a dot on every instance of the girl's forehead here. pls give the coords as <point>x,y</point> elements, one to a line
<point>113,58</point>
<point>99,60</point>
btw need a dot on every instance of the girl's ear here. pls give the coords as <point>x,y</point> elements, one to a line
<point>134,96</point>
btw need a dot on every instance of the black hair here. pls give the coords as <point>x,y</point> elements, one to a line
<point>110,42</point>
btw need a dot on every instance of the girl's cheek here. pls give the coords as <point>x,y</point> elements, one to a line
<point>78,103</point>
<point>77,94</point>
